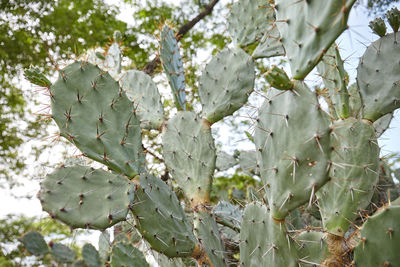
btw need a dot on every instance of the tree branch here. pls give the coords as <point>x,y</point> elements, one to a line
<point>152,65</point>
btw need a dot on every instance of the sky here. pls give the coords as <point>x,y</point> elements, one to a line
<point>352,43</point>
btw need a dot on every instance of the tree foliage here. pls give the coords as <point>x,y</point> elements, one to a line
<point>32,32</point>
<point>12,227</point>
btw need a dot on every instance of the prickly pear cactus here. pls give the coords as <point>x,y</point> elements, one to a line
<point>317,195</point>
<point>72,194</point>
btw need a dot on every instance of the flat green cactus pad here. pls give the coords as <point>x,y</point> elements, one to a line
<point>143,92</point>
<point>334,76</point>
<point>248,20</point>
<point>164,261</point>
<point>62,254</point>
<point>380,238</point>
<point>264,242</point>
<point>34,243</point>
<point>355,104</point>
<point>83,197</point>
<point>104,245</point>
<point>308,28</point>
<point>34,75</point>
<point>189,154</point>
<point>209,237</point>
<point>270,44</point>
<point>293,147</point>
<point>378,77</point>
<point>248,162</point>
<point>354,173</point>
<point>382,124</point>
<point>225,161</point>
<point>312,246</point>
<point>126,255</point>
<point>94,114</point>
<point>226,83</point>
<point>160,218</point>
<point>173,66</point>
<point>91,256</point>
<point>108,60</point>
<point>113,59</point>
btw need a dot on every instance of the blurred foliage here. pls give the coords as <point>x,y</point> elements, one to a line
<point>377,8</point>
<point>232,187</point>
<point>12,227</point>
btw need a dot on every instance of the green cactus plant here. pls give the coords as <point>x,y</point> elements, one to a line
<point>312,162</point>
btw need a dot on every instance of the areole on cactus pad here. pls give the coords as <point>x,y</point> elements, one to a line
<point>317,192</point>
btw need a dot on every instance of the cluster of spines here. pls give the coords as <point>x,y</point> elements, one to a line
<point>74,100</point>
<point>283,81</point>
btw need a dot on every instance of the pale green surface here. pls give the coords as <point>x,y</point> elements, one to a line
<point>308,28</point>
<point>378,77</point>
<point>95,115</point>
<point>293,147</point>
<point>83,197</point>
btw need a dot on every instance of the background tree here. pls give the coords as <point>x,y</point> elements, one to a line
<point>12,227</point>
<point>35,31</point>
<point>94,28</point>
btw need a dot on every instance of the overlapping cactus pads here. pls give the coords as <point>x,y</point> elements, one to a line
<point>308,190</point>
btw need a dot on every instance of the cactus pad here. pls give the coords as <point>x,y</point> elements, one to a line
<point>34,243</point>
<point>94,114</point>
<point>113,58</point>
<point>355,104</point>
<point>161,220</point>
<point>108,60</point>
<point>278,79</point>
<point>270,44</point>
<point>293,153</point>
<point>248,162</point>
<point>248,20</point>
<point>378,77</point>
<point>224,161</point>
<point>382,124</point>
<point>141,89</point>
<point>34,75</point>
<point>226,83</point>
<point>189,154</point>
<point>91,256</point>
<point>334,76</point>
<point>353,174</point>
<point>125,254</point>
<point>104,245</point>
<point>62,254</point>
<point>83,197</point>
<point>380,238</point>
<point>264,241</point>
<point>308,28</point>
<point>312,248</point>
<point>173,66</point>
<point>209,237</point>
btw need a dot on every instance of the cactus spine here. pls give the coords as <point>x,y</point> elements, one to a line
<point>319,169</point>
